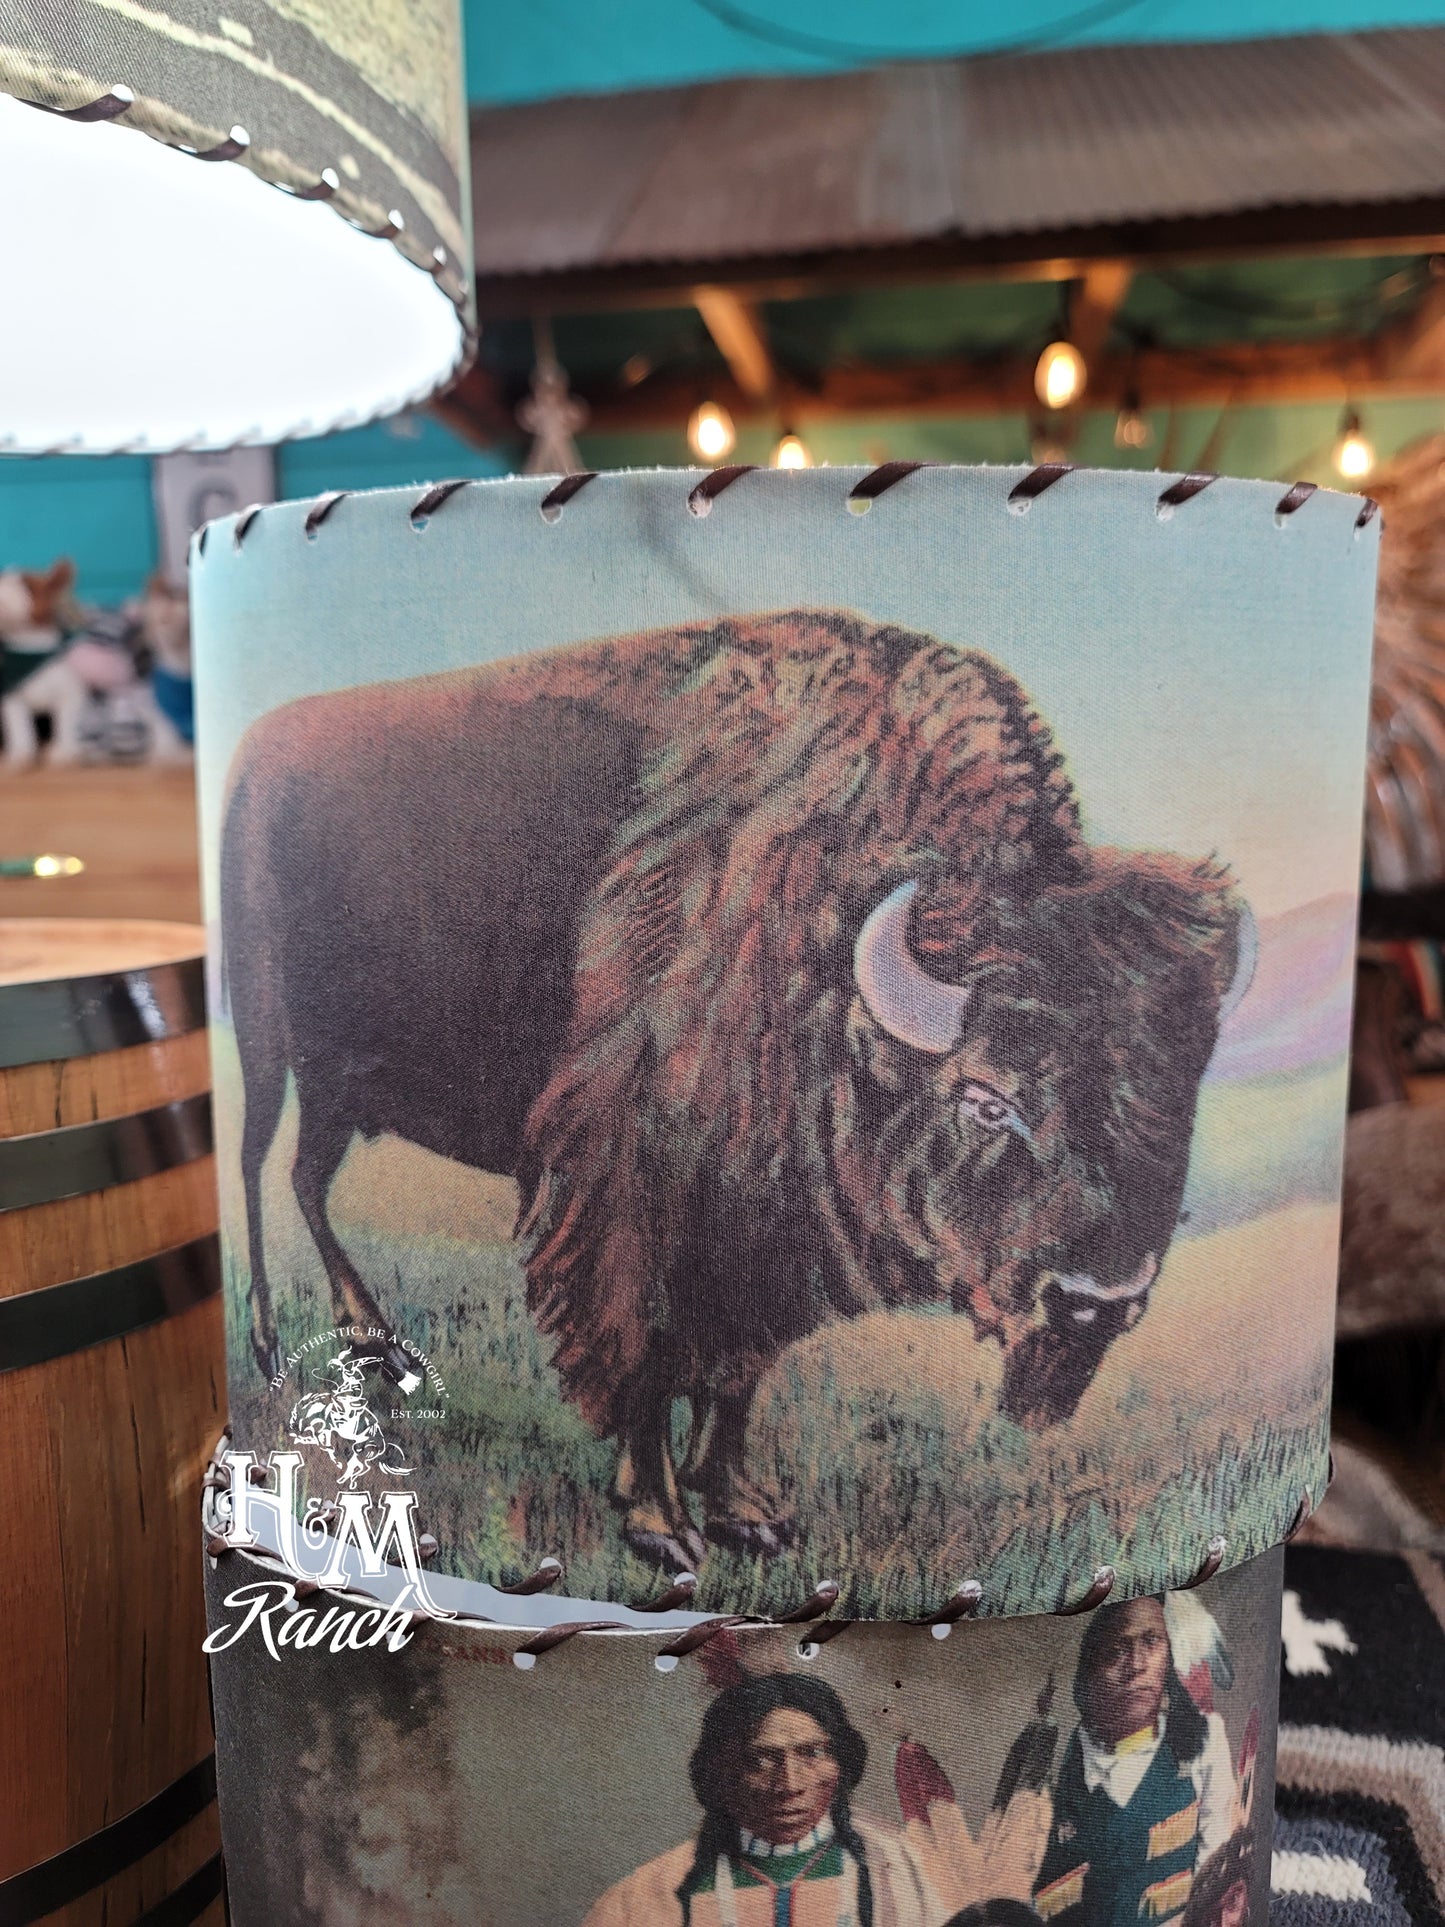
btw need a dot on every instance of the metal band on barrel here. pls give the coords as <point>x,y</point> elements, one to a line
<point>81,1016</point>
<point>59,1319</point>
<point>46,1165</point>
<point>191,1899</point>
<point>79,1869</point>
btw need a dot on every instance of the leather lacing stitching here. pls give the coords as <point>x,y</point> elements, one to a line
<point>963,1603</point>
<point>701,498</point>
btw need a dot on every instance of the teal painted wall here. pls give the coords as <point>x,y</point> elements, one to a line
<point>551,47</point>
<point>391,454</point>
<point>98,509</point>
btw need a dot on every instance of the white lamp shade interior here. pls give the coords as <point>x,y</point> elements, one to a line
<point>158,301</point>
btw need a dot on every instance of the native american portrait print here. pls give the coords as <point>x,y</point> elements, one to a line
<point>883,1776</point>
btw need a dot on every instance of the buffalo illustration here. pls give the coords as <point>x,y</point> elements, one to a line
<point>769,956</point>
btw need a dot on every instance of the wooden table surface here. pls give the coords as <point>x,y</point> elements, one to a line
<point>134,829</point>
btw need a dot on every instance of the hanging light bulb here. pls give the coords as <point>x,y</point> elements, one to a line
<point>1060,375</point>
<point>792,452</point>
<point>1354,452</point>
<point>1131,426</point>
<point>710,433</point>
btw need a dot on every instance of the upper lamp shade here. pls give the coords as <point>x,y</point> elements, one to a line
<point>229,229</point>
<point>798,1019</point>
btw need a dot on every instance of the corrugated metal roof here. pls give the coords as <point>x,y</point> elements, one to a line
<point>1090,139</point>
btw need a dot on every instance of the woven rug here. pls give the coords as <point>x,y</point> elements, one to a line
<point>1360,1836</point>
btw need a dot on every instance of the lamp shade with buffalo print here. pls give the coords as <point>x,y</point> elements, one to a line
<point>787,1031</point>
<point>226,228</point>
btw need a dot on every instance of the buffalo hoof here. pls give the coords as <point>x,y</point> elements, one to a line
<point>753,1538</point>
<point>393,1363</point>
<point>267,1354</point>
<point>399,1369</point>
<point>683,1553</point>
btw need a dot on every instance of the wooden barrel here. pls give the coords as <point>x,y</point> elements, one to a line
<point>112,1393</point>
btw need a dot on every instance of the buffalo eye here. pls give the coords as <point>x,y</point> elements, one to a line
<point>981,1104</point>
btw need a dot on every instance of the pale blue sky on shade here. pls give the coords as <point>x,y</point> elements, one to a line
<point>1206,676</point>
<point>552,47</point>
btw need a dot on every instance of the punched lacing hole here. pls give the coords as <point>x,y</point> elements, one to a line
<point>808,1649</point>
<point>859,504</point>
<point>524,1662</point>
<point>1181,491</point>
<point>243,523</point>
<point>557,497</point>
<point>666,1662</point>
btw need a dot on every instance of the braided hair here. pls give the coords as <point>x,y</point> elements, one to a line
<point>727,1727</point>
<point>1186,1725</point>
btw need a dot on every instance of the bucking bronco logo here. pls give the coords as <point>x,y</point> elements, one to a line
<point>342,1423</point>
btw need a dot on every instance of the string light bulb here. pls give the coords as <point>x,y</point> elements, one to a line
<point>1354,452</point>
<point>1131,426</point>
<point>792,452</point>
<point>710,432</point>
<point>1060,375</point>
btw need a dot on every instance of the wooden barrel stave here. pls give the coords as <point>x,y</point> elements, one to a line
<point>49,1244</point>
<point>76,1090</point>
<point>104,1449</point>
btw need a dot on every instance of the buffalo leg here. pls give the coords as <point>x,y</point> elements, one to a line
<point>738,1514</point>
<point>322,1142</point>
<point>655,1523</point>
<point>263,1072</point>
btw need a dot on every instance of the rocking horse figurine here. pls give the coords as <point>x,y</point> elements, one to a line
<point>36,615</point>
<point>163,614</point>
<point>69,672</point>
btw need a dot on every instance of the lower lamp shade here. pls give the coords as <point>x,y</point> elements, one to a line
<point>1098,1770</point>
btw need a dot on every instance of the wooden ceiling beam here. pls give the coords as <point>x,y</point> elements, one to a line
<point>476,409</point>
<point>1414,346</point>
<point>738,333</point>
<point>1277,233</point>
<point>1334,370</point>
<point>1094,302</point>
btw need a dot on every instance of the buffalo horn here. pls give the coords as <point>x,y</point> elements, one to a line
<point>901,996</point>
<point>1246,950</point>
